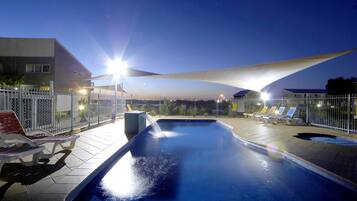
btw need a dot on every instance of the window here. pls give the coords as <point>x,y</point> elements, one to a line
<point>45,68</point>
<point>29,68</point>
<point>37,68</point>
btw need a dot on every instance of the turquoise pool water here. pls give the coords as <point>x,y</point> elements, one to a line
<point>202,160</point>
<point>329,139</point>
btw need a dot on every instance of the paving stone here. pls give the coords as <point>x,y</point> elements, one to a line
<point>59,188</point>
<point>69,179</point>
<point>89,165</point>
<point>49,197</point>
<point>81,171</point>
<point>63,171</point>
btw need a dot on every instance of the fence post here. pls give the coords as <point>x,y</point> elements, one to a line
<point>98,109</point>
<point>72,110</point>
<point>88,108</point>
<point>307,109</point>
<point>348,112</point>
<point>21,115</point>
<point>54,103</point>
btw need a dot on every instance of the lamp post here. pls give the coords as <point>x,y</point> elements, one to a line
<point>264,96</point>
<point>118,69</point>
<point>219,100</point>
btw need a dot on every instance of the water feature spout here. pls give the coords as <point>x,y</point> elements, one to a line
<point>154,124</point>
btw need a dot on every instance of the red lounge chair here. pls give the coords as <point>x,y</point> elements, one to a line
<point>11,127</point>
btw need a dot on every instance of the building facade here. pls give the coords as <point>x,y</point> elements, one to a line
<point>303,93</point>
<point>246,101</point>
<point>40,61</point>
<point>300,96</point>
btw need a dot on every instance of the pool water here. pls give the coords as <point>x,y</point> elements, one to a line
<point>202,160</point>
<point>329,139</point>
<point>336,140</point>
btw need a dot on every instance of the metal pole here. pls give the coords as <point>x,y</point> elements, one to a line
<point>72,110</point>
<point>115,99</point>
<point>122,103</point>
<point>98,109</point>
<point>348,112</point>
<point>21,114</point>
<point>54,103</point>
<point>88,108</point>
<point>307,109</point>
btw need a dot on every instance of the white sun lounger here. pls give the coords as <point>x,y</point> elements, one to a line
<point>271,111</point>
<point>278,113</point>
<point>12,152</point>
<point>11,127</point>
<point>251,115</point>
<point>288,118</point>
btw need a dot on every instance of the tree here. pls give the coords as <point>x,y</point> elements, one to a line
<point>182,109</point>
<point>83,109</point>
<point>164,108</point>
<point>10,79</point>
<point>340,85</point>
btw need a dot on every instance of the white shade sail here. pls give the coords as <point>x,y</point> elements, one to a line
<point>130,73</point>
<point>254,77</point>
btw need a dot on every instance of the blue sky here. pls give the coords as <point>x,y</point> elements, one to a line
<point>179,36</point>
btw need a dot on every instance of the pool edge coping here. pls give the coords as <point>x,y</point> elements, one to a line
<point>297,160</point>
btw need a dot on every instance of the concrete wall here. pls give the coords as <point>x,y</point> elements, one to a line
<point>17,66</point>
<point>26,47</point>
<point>65,70</point>
<point>69,72</point>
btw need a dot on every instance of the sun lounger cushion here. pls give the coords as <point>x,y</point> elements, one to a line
<point>10,124</point>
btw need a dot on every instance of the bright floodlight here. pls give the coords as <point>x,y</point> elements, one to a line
<point>82,91</point>
<point>264,96</point>
<point>81,107</point>
<point>117,68</point>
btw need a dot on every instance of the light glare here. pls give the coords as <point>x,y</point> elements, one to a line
<point>117,68</point>
<point>81,107</point>
<point>82,91</point>
<point>264,96</point>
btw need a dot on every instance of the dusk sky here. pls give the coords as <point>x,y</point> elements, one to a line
<point>181,36</point>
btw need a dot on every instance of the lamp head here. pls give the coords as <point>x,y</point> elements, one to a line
<point>117,68</point>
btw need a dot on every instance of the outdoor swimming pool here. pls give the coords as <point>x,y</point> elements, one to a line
<point>203,160</point>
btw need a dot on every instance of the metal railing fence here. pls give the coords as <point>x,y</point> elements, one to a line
<point>65,111</point>
<point>330,111</point>
<point>337,112</point>
<point>181,107</point>
<point>58,112</point>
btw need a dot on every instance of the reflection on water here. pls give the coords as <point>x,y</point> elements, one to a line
<point>134,178</point>
<point>264,164</point>
<point>165,134</point>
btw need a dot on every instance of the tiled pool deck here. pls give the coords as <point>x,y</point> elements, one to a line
<point>341,160</point>
<point>54,180</point>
